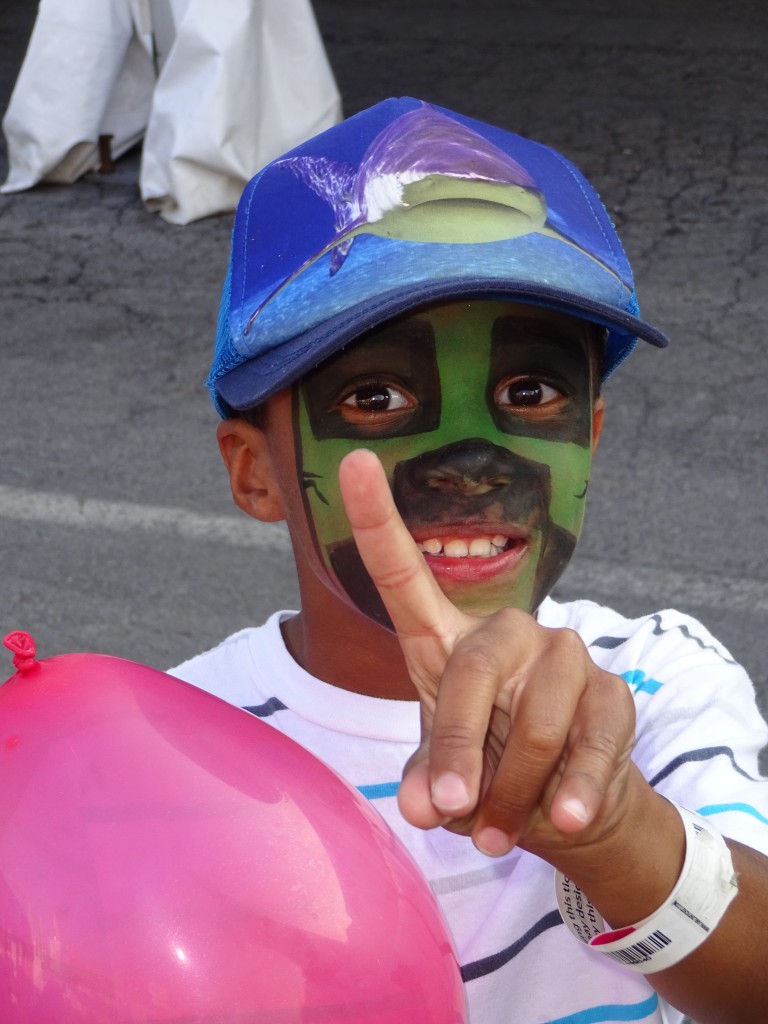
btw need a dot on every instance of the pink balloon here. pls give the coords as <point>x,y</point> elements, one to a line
<point>168,858</point>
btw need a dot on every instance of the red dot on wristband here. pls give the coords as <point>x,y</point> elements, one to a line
<point>620,933</point>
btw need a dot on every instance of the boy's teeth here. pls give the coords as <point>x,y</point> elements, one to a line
<point>478,547</point>
<point>455,549</point>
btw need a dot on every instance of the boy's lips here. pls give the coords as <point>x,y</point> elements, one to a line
<point>471,556</point>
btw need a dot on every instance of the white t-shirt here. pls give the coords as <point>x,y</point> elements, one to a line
<point>698,737</point>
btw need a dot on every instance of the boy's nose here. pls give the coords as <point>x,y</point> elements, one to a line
<point>470,467</point>
<point>471,480</point>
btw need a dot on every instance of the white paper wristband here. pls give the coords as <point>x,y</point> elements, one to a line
<point>702,894</point>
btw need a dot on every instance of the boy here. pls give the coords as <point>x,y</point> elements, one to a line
<point>418,316</point>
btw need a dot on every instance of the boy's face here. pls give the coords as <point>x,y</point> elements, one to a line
<point>483,415</point>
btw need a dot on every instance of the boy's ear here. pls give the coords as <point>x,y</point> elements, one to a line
<point>598,415</point>
<point>248,459</point>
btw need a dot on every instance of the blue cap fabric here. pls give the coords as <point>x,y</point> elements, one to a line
<point>402,205</point>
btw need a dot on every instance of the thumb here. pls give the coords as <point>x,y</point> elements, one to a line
<point>416,797</point>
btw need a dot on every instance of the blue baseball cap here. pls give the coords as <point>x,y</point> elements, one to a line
<point>401,205</point>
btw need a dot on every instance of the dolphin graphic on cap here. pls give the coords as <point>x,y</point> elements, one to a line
<point>424,178</point>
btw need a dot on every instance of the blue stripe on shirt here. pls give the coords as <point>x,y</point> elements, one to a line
<point>382,790</point>
<point>641,682</point>
<point>604,1014</point>
<point>379,790</point>
<point>710,809</point>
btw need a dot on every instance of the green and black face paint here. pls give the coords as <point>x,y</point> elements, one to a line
<point>481,413</point>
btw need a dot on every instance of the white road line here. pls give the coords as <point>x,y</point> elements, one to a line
<point>584,576</point>
<point>598,576</point>
<point>23,505</point>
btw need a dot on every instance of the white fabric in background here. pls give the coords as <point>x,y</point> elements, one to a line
<point>242,83</point>
<point>239,83</point>
<point>88,71</point>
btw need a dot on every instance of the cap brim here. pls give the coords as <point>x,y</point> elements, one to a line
<point>256,380</point>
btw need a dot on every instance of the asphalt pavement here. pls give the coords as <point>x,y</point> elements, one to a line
<point>118,533</point>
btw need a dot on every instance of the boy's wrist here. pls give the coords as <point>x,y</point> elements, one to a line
<point>629,871</point>
<point>702,894</point>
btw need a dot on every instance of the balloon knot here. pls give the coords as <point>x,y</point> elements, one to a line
<point>23,647</point>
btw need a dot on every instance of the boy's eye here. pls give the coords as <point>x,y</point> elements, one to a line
<point>527,393</point>
<point>373,398</point>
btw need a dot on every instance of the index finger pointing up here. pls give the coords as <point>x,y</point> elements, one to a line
<point>412,597</point>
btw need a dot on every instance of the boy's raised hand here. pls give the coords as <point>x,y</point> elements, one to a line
<point>524,739</point>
